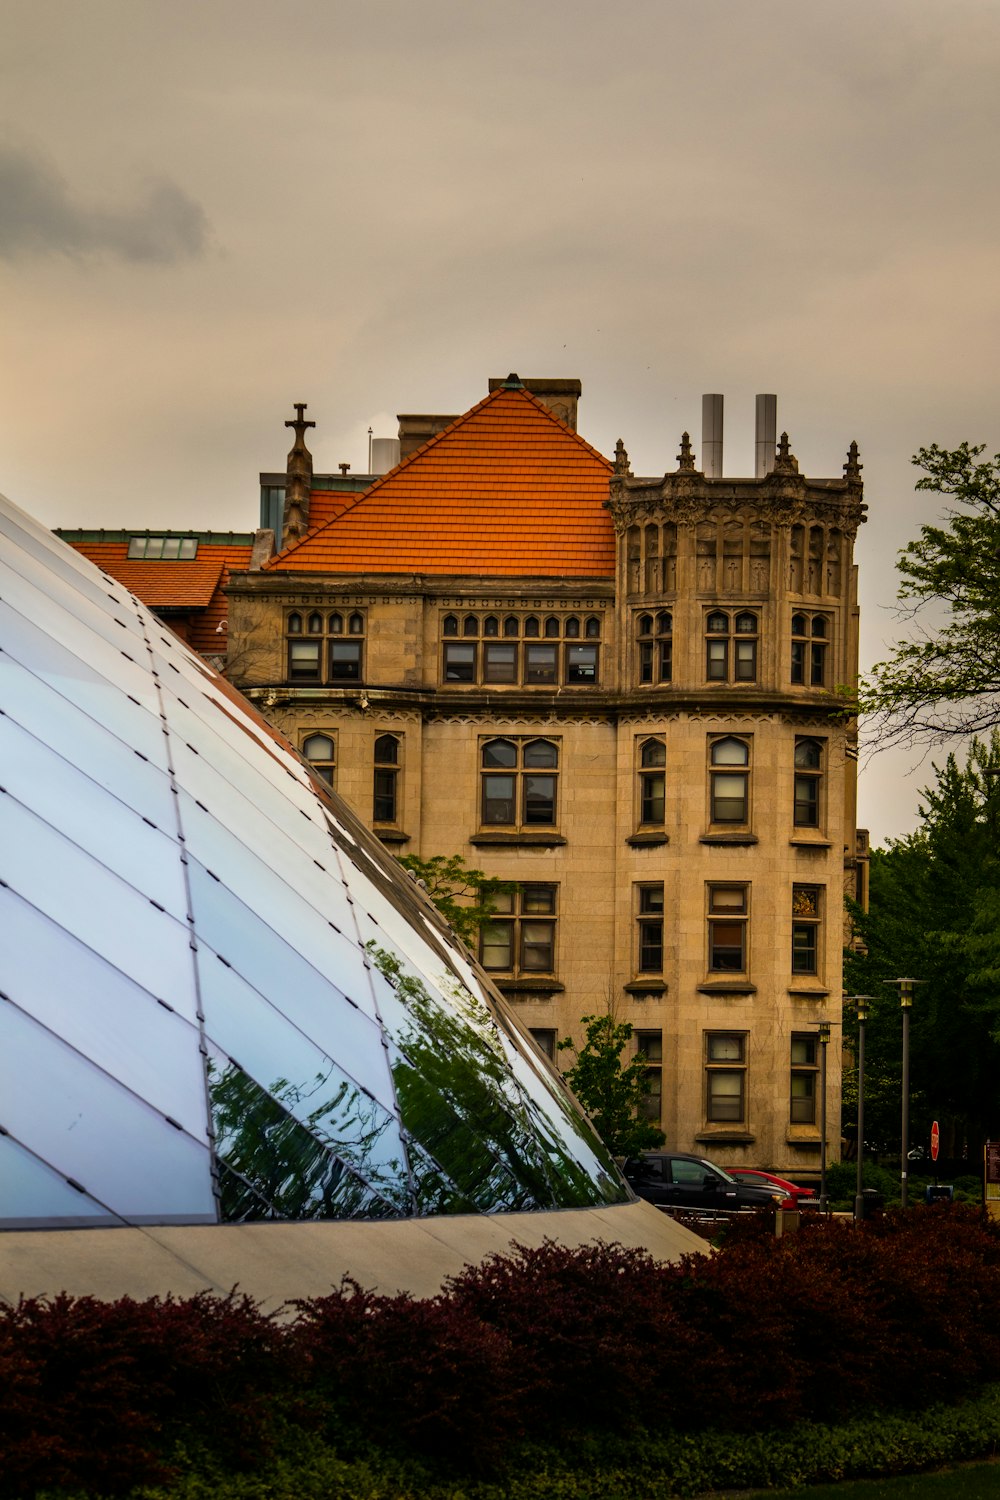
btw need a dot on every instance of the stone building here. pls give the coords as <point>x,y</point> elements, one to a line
<point>619,692</point>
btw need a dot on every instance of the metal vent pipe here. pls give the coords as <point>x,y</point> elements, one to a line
<point>766,435</point>
<point>711,436</point>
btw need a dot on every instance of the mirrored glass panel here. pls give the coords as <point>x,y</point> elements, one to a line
<point>94,1130</point>
<point>277,1167</point>
<point>77,995</point>
<point>196,930</point>
<point>96,905</point>
<point>139,780</point>
<point>92,818</point>
<point>32,1195</point>
<point>287,1039</point>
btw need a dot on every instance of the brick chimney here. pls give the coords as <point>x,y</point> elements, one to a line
<point>560,396</point>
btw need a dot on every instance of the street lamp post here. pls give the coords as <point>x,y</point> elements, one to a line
<point>905,987</point>
<point>823,1028</point>
<point>861,1002</point>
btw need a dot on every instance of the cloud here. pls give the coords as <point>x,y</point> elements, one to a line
<point>40,216</point>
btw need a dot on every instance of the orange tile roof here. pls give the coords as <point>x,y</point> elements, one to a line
<point>506,490</point>
<point>194,584</point>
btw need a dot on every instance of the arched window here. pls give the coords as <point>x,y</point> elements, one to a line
<point>551,626</point>
<point>572,628</point>
<point>511,625</point>
<point>656,647</point>
<point>809,648</point>
<point>385,781</point>
<point>593,628</point>
<point>326,656</point>
<point>808,783</point>
<point>491,625</point>
<point>519,783</point>
<point>729,781</point>
<point>531,625</point>
<point>652,783</point>
<point>449,625</point>
<point>470,625</point>
<point>321,753</point>
<point>731,646</point>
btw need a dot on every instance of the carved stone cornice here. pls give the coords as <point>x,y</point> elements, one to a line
<point>780,499</point>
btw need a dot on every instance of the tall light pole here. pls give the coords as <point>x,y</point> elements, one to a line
<point>905,987</point>
<point>824,1041</point>
<point>861,1002</point>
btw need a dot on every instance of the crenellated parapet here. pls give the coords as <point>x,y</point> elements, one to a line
<point>782,533</point>
<point>782,497</point>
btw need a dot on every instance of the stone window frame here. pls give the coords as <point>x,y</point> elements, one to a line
<point>648,914</point>
<point>809,782</point>
<point>811,638</point>
<point>732,641</point>
<point>320,631</point>
<point>324,765</point>
<point>650,782</point>
<point>806,955</point>
<point>804,1077</point>
<point>719,771</point>
<point>387,778</point>
<point>721,913</point>
<point>521,933</point>
<point>654,636</point>
<point>520,771</point>
<point>726,1062</point>
<point>649,1047</point>
<point>523,648</point>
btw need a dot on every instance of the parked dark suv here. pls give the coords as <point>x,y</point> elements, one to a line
<point>673,1179</point>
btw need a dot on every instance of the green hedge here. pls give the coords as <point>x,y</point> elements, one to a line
<point>644,1467</point>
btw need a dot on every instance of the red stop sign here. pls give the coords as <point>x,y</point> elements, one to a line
<point>935,1141</point>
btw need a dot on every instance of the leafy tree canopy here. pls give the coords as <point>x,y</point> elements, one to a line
<point>611,1092</point>
<point>944,680</point>
<point>934,915</point>
<point>465,898</point>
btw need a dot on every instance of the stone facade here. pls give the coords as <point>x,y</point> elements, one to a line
<point>658,756</point>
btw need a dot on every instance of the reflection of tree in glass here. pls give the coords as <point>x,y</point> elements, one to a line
<point>457,1096</point>
<point>279,1170</point>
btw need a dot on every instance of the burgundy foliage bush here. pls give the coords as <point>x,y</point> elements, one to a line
<point>831,1321</point>
<point>587,1327</point>
<point>426,1375</point>
<point>95,1393</point>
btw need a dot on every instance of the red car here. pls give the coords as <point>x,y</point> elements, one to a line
<point>800,1197</point>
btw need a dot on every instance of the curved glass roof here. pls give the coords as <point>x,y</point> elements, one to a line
<point>220,999</point>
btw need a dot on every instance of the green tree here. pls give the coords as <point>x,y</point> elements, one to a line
<point>465,898</point>
<point>612,1092</point>
<point>945,680</point>
<point>935,915</point>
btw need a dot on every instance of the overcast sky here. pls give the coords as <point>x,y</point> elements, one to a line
<point>210,209</point>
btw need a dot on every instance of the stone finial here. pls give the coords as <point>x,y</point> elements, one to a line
<point>685,458</point>
<point>621,460</point>
<point>852,469</point>
<point>298,481</point>
<point>785,461</point>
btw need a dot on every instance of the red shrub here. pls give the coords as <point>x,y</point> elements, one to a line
<point>428,1374</point>
<point>587,1328</point>
<point>94,1392</point>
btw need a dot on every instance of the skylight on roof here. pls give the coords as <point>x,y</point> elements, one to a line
<point>163,546</point>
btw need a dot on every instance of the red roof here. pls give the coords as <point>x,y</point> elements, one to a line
<point>506,490</point>
<point>190,584</point>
